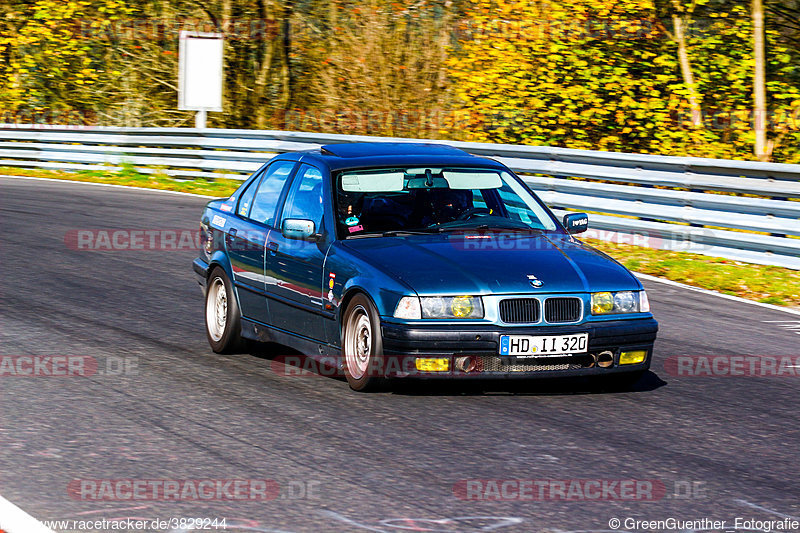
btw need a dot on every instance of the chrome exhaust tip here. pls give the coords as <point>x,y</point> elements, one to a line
<point>605,359</point>
<point>465,364</point>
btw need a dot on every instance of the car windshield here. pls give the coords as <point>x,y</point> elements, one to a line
<point>387,200</point>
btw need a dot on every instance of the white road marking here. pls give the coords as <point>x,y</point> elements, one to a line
<point>98,511</point>
<point>790,325</point>
<point>414,524</point>
<point>715,293</point>
<point>244,525</point>
<point>111,185</point>
<point>337,516</point>
<point>587,530</point>
<point>15,520</point>
<point>760,508</point>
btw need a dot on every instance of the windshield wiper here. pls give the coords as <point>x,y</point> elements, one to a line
<point>396,233</point>
<point>493,227</point>
<point>401,232</point>
<point>445,229</point>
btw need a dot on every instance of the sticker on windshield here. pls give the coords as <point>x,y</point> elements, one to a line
<point>351,221</point>
<point>354,229</point>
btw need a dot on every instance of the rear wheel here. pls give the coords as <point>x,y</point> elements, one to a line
<point>362,346</point>
<point>223,320</point>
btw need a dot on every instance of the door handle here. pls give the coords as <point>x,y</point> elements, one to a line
<point>272,247</point>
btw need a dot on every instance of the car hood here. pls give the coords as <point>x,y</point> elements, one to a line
<point>494,263</point>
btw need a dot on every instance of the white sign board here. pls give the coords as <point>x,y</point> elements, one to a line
<point>200,71</point>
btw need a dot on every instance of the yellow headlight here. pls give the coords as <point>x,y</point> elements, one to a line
<point>632,358</point>
<point>462,306</point>
<point>602,302</point>
<point>433,365</point>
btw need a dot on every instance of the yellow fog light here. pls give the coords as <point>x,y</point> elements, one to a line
<point>433,365</point>
<point>462,306</point>
<point>632,358</point>
<point>602,302</point>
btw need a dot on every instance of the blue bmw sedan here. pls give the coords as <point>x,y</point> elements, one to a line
<point>401,260</point>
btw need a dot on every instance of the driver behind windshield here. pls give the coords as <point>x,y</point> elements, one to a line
<point>376,201</point>
<point>446,205</point>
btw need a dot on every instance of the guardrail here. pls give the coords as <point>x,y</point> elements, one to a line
<point>741,210</point>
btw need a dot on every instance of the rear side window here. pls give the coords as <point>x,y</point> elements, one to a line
<point>246,198</point>
<point>269,190</point>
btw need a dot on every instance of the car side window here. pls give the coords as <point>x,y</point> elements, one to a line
<point>305,197</point>
<point>266,198</point>
<point>478,200</point>
<point>246,198</point>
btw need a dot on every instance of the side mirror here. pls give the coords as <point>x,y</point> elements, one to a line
<point>298,228</point>
<point>576,222</point>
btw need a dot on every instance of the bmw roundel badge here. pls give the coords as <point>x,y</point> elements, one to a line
<point>535,282</point>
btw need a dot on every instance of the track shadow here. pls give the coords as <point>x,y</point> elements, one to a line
<point>287,362</point>
<point>650,381</point>
<point>268,350</point>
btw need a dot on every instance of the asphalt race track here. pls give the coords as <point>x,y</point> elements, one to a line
<point>715,447</point>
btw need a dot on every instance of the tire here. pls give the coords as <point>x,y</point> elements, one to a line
<point>362,346</point>
<point>222,316</point>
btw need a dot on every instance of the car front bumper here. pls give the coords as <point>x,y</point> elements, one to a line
<point>403,344</point>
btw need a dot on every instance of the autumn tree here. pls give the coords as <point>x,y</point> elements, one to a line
<point>46,68</point>
<point>615,76</point>
<point>379,67</point>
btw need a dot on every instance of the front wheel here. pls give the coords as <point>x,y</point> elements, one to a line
<point>362,346</point>
<point>223,320</point>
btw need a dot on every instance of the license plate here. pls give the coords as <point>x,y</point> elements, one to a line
<point>530,346</point>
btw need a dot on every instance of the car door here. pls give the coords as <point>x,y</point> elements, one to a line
<point>246,237</point>
<point>295,266</point>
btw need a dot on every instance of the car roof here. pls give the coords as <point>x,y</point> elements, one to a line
<point>383,149</point>
<point>376,154</point>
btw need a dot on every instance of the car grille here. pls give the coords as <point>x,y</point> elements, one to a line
<point>489,363</point>
<point>562,310</point>
<point>519,310</point>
